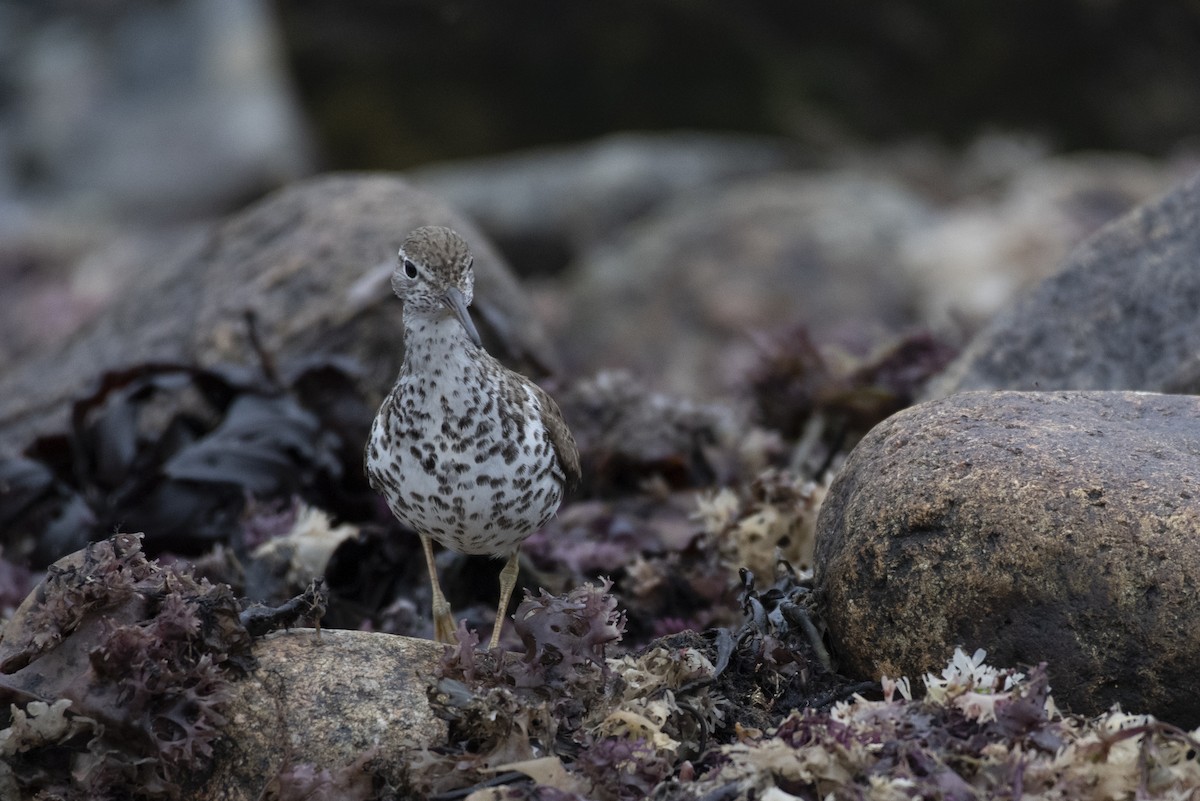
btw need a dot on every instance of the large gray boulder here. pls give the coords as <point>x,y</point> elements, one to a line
<point>1123,313</point>
<point>310,263</point>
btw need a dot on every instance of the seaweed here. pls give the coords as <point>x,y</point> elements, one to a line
<point>175,450</point>
<point>118,671</point>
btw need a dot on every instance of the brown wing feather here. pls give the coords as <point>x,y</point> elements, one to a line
<point>560,437</point>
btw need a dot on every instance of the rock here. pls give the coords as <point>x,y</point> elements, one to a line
<point>703,274</point>
<point>60,274</point>
<point>1060,526</point>
<point>544,206</point>
<point>326,705</point>
<point>311,263</point>
<point>1001,237</point>
<point>147,112</point>
<point>1121,314</point>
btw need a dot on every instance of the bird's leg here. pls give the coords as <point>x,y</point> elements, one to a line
<point>443,621</point>
<point>508,580</point>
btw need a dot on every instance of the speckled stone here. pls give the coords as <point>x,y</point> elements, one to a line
<point>1062,527</point>
<point>325,704</point>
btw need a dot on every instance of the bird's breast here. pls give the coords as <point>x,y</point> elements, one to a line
<point>465,461</point>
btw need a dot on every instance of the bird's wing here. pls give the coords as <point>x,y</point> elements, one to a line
<point>560,438</point>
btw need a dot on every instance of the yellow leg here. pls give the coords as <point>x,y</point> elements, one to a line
<point>508,580</point>
<point>443,621</point>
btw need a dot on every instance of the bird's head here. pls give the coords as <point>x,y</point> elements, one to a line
<point>433,276</point>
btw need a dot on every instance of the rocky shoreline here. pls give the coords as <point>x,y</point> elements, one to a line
<point>795,495</point>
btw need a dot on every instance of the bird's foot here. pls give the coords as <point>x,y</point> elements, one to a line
<point>443,623</point>
<point>496,630</point>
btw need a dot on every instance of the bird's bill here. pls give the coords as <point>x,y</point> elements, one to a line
<point>456,303</point>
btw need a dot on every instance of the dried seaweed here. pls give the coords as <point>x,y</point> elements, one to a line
<point>259,619</point>
<point>979,733</point>
<point>629,435</point>
<point>799,388</point>
<point>117,670</point>
<point>175,450</point>
<point>596,726</point>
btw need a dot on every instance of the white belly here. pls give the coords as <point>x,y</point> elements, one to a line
<point>458,469</point>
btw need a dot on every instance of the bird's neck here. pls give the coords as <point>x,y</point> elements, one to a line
<point>433,339</point>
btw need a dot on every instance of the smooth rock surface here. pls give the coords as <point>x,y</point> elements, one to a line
<point>311,262</point>
<point>1059,526</point>
<point>545,205</point>
<point>325,704</point>
<point>1121,314</point>
<point>685,284</point>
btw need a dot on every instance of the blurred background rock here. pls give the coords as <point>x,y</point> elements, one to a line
<point>607,148</point>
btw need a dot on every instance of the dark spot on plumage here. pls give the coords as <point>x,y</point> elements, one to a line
<point>510,452</point>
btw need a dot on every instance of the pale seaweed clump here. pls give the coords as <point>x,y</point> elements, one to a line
<point>772,519</point>
<point>978,732</point>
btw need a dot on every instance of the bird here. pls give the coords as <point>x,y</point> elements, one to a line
<point>465,451</point>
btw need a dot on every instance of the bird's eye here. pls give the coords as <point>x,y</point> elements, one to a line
<point>410,269</point>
